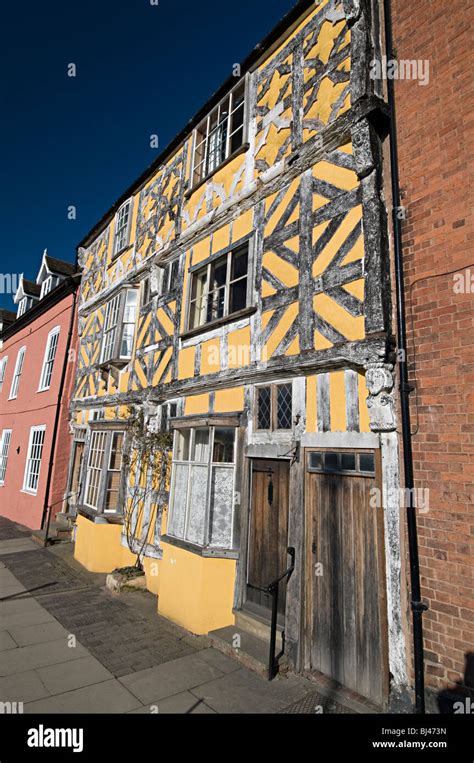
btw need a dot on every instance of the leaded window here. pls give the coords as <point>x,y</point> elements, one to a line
<point>274,407</point>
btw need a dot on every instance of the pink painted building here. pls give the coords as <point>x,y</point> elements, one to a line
<point>37,364</point>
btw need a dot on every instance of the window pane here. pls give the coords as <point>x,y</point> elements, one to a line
<point>126,345</point>
<point>111,496</point>
<point>201,446</point>
<point>367,462</point>
<point>129,315</point>
<point>239,263</point>
<point>198,300</point>
<point>238,296</point>
<point>221,509</point>
<point>331,461</point>
<point>284,406</point>
<point>215,304</point>
<point>116,451</point>
<point>348,462</point>
<point>264,408</point>
<point>197,505</point>
<point>178,510</point>
<point>315,460</point>
<point>224,446</point>
<point>182,445</point>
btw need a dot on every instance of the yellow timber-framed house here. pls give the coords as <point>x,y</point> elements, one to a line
<point>237,295</point>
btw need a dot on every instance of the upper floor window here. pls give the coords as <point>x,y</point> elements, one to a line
<point>20,359</point>
<point>169,277</point>
<point>33,461</point>
<point>219,134</point>
<point>23,305</point>
<point>220,288</point>
<point>274,407</point>
<point>119,327</point>
<point>48,361</point>
<point>3,369</point>
<point>5,440</point>
<point>104,464</point>
<point>122,227</point>
<point>48,284</point>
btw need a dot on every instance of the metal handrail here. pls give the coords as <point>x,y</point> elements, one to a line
<point>273,589</point>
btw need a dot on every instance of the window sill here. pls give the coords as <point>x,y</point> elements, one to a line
<point>205,551</point>
<point>117,363</point>
<point>219,322</point>
<point>98,517</point>
<point>120,252</point>
<point>241,150</point>
<point>29,492</point>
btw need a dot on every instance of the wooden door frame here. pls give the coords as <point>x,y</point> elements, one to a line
<point>246,505</point>
<point>306,619</point>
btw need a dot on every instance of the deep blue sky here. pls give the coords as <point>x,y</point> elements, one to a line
<point>141,69</point>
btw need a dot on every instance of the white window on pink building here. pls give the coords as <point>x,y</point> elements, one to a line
<point>34,457</point>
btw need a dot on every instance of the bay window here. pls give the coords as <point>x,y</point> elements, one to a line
<point>119,327</point>
<point>103,471</point>
<point>202,486</point>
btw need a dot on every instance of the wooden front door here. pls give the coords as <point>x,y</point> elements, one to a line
<point>345,602</point>
<point>268,531</point>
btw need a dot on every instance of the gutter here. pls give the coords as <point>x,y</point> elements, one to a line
<point>417,606</point>
<point>46,507</point>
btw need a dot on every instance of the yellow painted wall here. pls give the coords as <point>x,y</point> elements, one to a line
<point>196,592</point>
<point>98,549</point>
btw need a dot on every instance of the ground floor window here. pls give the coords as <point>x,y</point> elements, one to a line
<point>103,471</point>
<point>202,489</point>
<point>4,450</point>
<point>33,461</point>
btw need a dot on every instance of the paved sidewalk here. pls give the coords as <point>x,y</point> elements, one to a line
<point>67,645</point>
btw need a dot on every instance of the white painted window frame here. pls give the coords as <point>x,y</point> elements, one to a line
<point>3,371</point>
<point>122,233</point>
<point>48,363</point>
<point>4,454</point>
<point>30,459</point>
<point>208,135</point>
<point>19,364</point>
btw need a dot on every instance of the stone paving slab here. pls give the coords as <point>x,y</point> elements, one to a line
<point>38,655</point>
<point>38,633</point>
<point>17,545</point>
<point>68,676</point>
<point>218,660</point>
<point>171,678</point>
<point>245,692</point>
<point>6,641</point>
<point>22,687</point>
<point>106,697</point>
<point>24,618</point>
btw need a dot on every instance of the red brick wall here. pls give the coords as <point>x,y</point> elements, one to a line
<point>435,129</point>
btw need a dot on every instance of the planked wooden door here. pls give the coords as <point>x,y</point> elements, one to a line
<point>345,603</point>
<point>268,531</point>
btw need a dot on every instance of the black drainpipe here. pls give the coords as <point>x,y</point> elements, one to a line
<point>56,420</point>
<point>417,606</point>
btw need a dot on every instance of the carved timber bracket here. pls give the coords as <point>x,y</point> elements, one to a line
<point>380,403</point>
